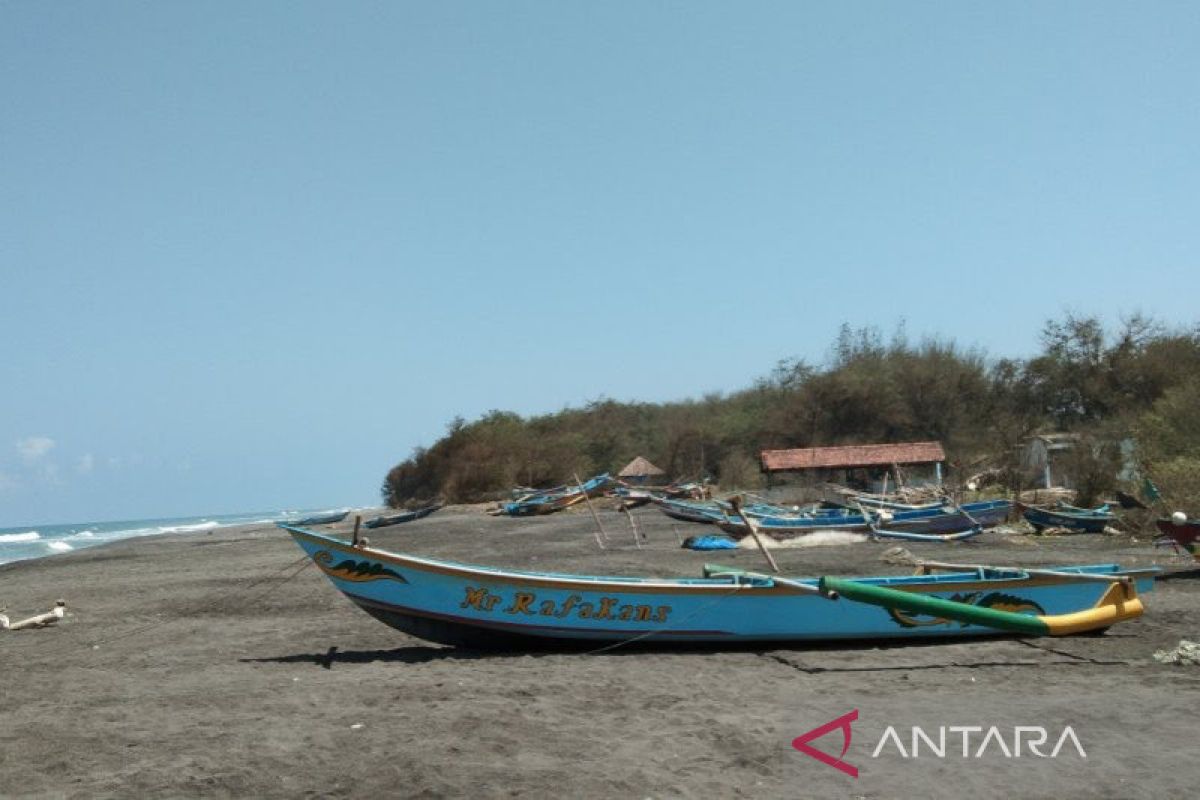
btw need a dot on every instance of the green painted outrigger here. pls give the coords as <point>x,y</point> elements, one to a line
<point>1120,602</point>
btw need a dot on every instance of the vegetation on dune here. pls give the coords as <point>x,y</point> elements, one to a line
<point>1139,383</point>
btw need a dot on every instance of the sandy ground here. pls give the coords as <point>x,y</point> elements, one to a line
<point>188,666</point>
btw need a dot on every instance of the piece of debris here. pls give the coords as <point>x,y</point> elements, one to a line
<point>1186,653</point>
<point>40,621</point>
<point>898,555</point>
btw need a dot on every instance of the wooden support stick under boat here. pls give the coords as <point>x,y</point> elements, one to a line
<point>40,621</point>
<point>953,503</point>
<point>736,502</point>
<point>595,516</point>
<point>357,523</point>
<point>637,536</point>
<point>872,523</point>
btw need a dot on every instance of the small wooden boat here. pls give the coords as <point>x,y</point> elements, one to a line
<point>476,606</point>
<point>321,519</point>
<point>402,517</point>
<point>1182,531</point>
<point>637,496</point>
<point>1087,520</point>
<point>706,511</point>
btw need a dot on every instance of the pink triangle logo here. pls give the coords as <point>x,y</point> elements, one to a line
<point>801,743</point>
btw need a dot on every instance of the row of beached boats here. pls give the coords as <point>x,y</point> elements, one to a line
<point>488,607</point>
<point>879,517</point>
<point>939,519</point>
<point>945,521</point>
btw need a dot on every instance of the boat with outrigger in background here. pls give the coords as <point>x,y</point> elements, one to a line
<point>944,520</point>
<point>489,607</point>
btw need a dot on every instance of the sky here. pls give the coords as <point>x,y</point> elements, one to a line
<point>251,254</point>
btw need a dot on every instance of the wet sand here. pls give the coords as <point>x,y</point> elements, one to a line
<point>192,665</point>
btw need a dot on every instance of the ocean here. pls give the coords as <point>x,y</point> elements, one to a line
<point>40,541</point>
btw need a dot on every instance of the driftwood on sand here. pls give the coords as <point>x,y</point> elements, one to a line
<point>39,621</point>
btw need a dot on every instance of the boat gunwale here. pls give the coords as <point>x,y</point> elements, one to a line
<point>955,581</point>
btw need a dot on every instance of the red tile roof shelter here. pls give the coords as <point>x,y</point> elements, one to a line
<point>852,456</point>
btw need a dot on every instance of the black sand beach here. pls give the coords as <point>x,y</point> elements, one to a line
<point>192,665</point>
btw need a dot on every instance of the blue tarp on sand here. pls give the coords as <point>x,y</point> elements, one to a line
<point>710,543</point>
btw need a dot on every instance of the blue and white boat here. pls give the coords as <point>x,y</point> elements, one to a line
<point>923,524</point>
<point>477,606</point>
<point>548,501</point>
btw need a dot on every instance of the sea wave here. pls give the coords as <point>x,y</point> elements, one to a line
<point>200,526</point>
<point>29,536</point>
<point>59,546</point>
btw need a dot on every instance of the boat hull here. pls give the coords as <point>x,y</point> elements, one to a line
<point>401,518</point>
<point>1041,518</point>
<point>1186,535</point>
<point>323,519</point>
<point>482,607</point>
<point>947,519</point>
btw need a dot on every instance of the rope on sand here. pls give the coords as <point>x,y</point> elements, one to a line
<point>215,605</point>
<point>296,567</point>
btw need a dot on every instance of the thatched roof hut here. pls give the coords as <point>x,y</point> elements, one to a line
<point>639,471</point>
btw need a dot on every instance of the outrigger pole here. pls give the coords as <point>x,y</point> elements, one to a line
<point>1118,603</point>
<point>736,503</point>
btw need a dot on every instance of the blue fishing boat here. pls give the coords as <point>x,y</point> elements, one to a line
<point>477,606</point>
<point>404,516</point>
<point>1087,520</point>
<point>720,511</point>
<point>321,519</point>
<point>551,500</point>
<point>922,524</point>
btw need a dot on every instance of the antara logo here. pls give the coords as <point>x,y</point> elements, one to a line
<point>1030,739</point>
<point>801,743</point>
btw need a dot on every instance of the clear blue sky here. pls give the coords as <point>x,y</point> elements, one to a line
<point>252,253</point>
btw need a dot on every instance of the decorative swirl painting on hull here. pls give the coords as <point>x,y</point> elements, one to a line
<point>357,571</point>
<point>996,600</point>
